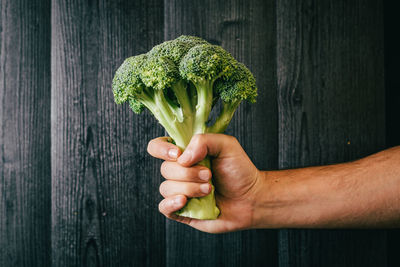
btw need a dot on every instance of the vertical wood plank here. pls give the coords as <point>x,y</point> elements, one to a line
<point>331,109</point>
<point>25,182</point>
<point>104,185</point>
<point>247,30</point>
<point>392,85</point>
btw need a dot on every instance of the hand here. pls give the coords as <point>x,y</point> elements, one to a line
<point>234,176</point>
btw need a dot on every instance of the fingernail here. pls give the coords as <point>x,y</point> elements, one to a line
<point>205,188</point>
<point>173,153</point>
<point>204,175</point>
<point>186,156</point>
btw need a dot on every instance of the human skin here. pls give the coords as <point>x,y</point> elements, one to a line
<point>360,194</point>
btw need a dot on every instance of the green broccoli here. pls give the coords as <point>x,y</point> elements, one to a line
<point>180,81</point>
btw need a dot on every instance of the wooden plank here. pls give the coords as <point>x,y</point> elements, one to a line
<point>25,182</point>
<point>331,109</point>
<point>104,185</point>
<point>247,30</point>
<point>392,84</point>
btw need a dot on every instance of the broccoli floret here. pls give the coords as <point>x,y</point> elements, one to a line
<point>179,81</point>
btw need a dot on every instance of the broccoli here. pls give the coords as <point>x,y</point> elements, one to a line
<point>180,81</point>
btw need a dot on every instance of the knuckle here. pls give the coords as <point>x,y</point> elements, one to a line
<point>164,168</point>
<point>163,188</point>
<point>232,139</point>
<point>197,140</point>
<point>187,189</point>
<point>199,144</point>
<point>200,138</point>
<point>149,146</point>
<point>161,206</point>
<point>193,190</point>
<point>187,173</point>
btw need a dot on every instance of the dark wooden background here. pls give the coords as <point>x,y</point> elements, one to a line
<point>77,187</point>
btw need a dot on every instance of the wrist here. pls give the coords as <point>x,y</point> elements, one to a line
<point>306,197</point>
<point>268,202</point>
<point>288,199</point>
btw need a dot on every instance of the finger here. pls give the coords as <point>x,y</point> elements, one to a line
<point>202,145</point>
<point>172,204</point>
<point>170,188</point>
<point>173,171</point>
<point>169,206</point>
<point>162,149</point>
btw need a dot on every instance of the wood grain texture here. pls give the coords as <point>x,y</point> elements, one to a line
<point>331,109</point>
<point>77,187</point>
<point>392,82</point>
<point>104,184</point>
<point>247,30</point>
<point>392,86</point>
<point>25,181</point>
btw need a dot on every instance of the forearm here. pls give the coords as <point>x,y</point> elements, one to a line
<point>363,193</point>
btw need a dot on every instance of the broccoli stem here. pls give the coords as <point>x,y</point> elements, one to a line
<point>193,122</point>
<point>204,104</point>
<point>224,118</point>
<point>201,207</point>
<point>176,110</point>
<point>180,91</point>
<point>191,90</point>
<point>159,115</point>
<point>204,208</point>
<point>181,94</point>
<point>162,111</point>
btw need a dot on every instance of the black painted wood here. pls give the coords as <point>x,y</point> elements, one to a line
<point>392,82</point>
<point>331,109</point>
<point>247,30</point>
<point>392,85</point>
<point>104,184</point>
<point>77,187</point>
<point>25,181</point>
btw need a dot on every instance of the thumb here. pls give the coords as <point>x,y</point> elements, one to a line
<point>201,145</point>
